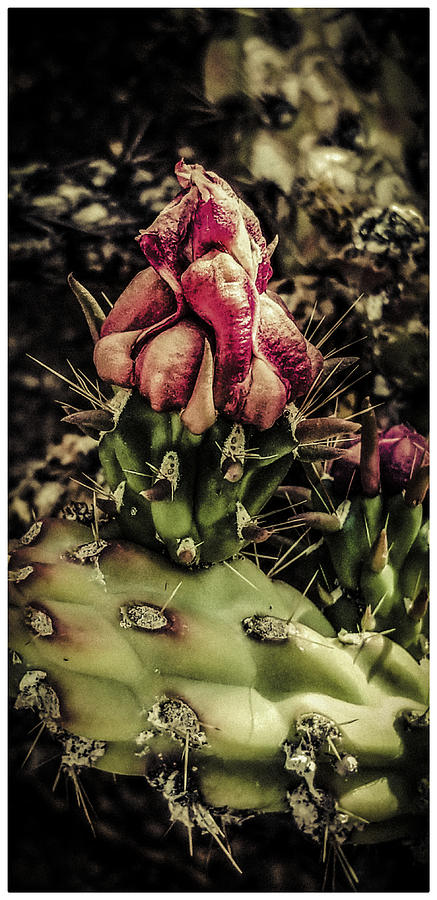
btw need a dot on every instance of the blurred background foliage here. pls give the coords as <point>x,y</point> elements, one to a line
<point>319,119</point>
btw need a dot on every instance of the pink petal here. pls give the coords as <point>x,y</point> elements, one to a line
<point>220,292</point>
<point>253,227</point>
<point>146,300</point>
<point>280,342</point>
<point>162,242</point>
<point>167,367</point>
<point>112,358</point>
<point>266,399</point>
<point>219,219</point>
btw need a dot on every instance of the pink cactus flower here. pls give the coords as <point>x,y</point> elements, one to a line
<point>402,451</point>
<point>200,323</point>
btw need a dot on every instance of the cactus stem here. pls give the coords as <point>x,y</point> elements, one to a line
<point>369,460</point>
<point>379,554</point>
<point>417,487</point>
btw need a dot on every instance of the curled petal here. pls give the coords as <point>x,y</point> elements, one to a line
<point>259,248</point>
<point>220,292</point>
<point>266,399</point>
<point>218,221</point>
<point>113,360</point>
<point>164,240</point>
<point>315,359</point>
<point>281,343</point>
<point>200,413</point>
<point>145,301</point>
<point>167,367</point>
<point>206,214</point>
<point>260,267</point>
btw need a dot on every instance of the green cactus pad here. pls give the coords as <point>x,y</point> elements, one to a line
<point>225,689</point>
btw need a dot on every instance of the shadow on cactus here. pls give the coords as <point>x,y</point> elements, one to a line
<point>151,645</point>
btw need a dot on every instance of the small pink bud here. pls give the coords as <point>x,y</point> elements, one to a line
<point>402,450</point>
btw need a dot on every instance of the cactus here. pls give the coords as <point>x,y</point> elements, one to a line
<point>205,343</point>
<point>148,645</point>
<point>369,506</point>
<point>131,661</point>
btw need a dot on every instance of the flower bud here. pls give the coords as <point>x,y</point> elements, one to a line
<point>207,286</point>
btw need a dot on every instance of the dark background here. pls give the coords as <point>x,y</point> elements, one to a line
<point>124,86</point>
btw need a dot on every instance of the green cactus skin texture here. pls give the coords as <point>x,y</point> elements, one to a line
<point>207,487</point>
<point>228,691</point>
<point>380,564</point>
